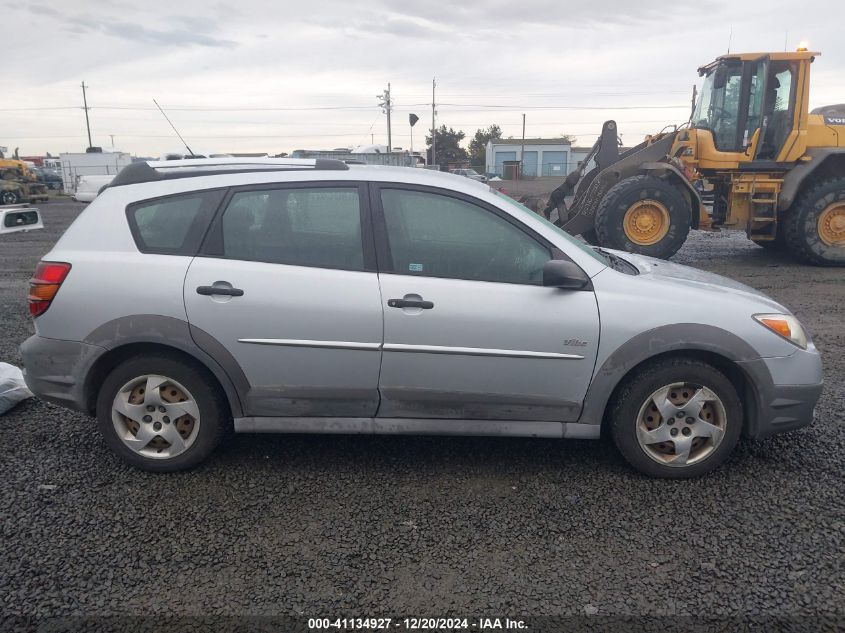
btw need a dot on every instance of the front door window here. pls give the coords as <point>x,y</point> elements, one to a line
<point>435,235</point>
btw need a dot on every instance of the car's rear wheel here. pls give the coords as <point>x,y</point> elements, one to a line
<point>676,419</point>
<point>160,413</point>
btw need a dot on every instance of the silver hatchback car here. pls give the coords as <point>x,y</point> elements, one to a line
<point>197,297</point>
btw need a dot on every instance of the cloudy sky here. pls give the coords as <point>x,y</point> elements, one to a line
<point>277,76</point>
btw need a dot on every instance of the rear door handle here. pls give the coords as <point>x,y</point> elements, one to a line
<point>219,290</point>
<point>410,303</point>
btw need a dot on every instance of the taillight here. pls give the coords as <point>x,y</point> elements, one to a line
<point>44,285</point>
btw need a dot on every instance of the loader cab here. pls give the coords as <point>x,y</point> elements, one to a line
<point>747,112</point>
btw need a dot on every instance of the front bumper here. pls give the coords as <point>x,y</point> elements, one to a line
<point>55,370</point>
<point>786,390</point>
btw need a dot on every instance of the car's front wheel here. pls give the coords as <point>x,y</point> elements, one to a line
<point>9,196</point>
<point>161,413</point>
<point>676,419</point>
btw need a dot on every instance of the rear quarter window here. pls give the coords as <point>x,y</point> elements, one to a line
<point>173,225</point>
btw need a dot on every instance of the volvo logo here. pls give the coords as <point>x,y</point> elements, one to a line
<point>834,120</point>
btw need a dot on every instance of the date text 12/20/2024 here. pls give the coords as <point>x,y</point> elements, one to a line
<point>417,624</point>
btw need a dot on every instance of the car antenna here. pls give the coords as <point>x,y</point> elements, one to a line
<point>190,151</point>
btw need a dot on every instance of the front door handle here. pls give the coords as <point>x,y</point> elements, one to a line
<point>219,290</point>
<point>410,303</point>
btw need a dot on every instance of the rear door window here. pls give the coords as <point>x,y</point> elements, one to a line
<point>308,226</point>
<point>173,225</point>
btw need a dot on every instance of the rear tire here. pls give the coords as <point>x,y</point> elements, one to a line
<point>665,214</point>
<point>176,415</point>
<point>814,226</point>
<point>771,245</point>
<point>653,440</point>
<point>776,245</point>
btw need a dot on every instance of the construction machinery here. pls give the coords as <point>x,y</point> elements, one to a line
<point>18,184</point>
<point>774,169</point>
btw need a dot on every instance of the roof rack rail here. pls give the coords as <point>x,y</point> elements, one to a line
<point>152,171</point>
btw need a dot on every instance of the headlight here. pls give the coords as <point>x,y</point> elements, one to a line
<point>784,325</point>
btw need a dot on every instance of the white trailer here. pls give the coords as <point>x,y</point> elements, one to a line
<point>76,165</point>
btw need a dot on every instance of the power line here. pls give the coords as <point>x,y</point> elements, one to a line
<point>478,107</point>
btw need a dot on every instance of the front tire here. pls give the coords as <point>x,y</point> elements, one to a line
<point>10,197</point>
<point>676,419</point>
<point>815,224</point>
<point>645,215</point>
<point>161,413</point>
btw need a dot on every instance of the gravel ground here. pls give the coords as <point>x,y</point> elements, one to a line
<point>398,525</point>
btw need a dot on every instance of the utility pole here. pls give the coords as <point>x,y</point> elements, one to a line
<point>112,140</point>
<point>85,107</point>
<point>386,106</point>
<point>433,126</point>
<point>522,151</point>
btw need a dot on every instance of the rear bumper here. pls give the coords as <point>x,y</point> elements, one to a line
<point>786,392</point>
<point>55,370</point>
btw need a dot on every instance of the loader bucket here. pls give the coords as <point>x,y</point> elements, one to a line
<point>579,216</point>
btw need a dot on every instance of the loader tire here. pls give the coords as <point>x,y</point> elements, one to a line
<point>645,215</point>
<point>590,237</point>
<point>814,226</point>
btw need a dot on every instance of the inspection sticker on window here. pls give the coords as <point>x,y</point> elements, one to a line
<point>415,268</point>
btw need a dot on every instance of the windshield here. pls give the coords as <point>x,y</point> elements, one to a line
<point>717,109</point>
<point>569,238</point>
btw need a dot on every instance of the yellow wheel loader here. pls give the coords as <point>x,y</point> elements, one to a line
<point>773,168</point>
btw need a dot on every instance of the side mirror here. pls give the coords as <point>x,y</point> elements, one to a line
<point>561,273</point>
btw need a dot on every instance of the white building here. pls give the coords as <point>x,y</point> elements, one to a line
<point>544,157</point>
<point>77,164</point>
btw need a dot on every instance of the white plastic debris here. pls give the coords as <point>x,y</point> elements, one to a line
<point>12,387</point>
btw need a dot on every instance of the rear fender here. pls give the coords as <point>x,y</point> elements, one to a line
<point>821,161</point>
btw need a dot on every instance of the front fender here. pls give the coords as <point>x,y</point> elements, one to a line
<point>681,337</point>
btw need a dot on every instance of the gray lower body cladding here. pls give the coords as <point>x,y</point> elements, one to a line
<point>57,371</point>
<point>778,408</point>
<point>418,426</point>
